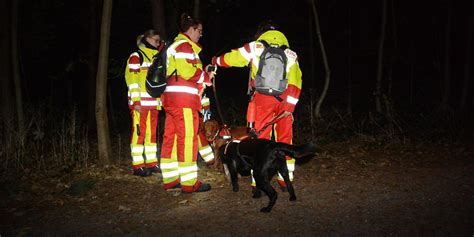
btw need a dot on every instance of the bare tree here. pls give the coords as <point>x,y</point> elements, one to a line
<point>467,64</point>
<point>378,84</point>
<point>5,67</point>
<point>103,136</point>
<point>158,16</point>
<point>447,60</point>
<point>94,15</point>
<point>327,79</point>
<point>16,67</point>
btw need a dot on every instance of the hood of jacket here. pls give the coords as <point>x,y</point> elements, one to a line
<point>274,37</point>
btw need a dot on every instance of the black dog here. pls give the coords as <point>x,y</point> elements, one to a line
<point>265,158</point>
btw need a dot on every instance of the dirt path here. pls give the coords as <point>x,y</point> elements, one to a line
<point>344,191</point>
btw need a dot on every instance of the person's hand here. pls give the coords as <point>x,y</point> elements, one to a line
<point>211,71</point>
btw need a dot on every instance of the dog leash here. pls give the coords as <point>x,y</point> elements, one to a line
<point>271,122</point>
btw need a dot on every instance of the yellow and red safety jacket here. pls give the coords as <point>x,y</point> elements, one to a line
<point>135,77</point>
<point>185,85</point>
<point>251,52</point>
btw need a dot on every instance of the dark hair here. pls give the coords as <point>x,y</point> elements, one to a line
<point>265,26</point>
<point>188,22</point>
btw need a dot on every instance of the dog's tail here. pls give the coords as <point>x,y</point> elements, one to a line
<point>297,151</point>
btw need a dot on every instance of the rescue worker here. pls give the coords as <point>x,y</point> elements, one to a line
<point>268,107</point>
<point>143,107</point>
<point>182,102</point>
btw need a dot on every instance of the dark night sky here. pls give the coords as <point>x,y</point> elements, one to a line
<point>55,33</point>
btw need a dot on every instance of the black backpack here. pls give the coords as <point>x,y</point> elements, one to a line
<point>156,76</point>
<point>271,74</point>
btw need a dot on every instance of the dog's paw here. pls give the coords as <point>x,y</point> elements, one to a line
<point>266,209</point>
<point>293,198</point>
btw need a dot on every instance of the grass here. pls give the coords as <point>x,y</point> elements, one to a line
<point>61,141</point>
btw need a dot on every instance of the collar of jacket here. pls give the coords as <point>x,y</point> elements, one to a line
<point>196,46</point>
<point>274,37</point>
<point>149,52</point>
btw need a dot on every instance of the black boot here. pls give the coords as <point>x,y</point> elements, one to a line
<point>142,172</point>
<point>204,188</point>
<point>154,169</point>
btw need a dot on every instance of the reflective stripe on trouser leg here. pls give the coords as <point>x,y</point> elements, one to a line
<point>169,166</point>
<point>206,153</point>
<point>187,148</point>
<point>136,148</point>
<point>204,149</point>
<point>150,139</point>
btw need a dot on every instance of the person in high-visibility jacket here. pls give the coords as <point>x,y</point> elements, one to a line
<point>143,107</point>
<point>267,107</point>
<point>182,102</point>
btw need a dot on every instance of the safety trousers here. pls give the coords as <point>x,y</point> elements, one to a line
<point>143,138</point>
<point>179,150</point>
<point>266,108</point>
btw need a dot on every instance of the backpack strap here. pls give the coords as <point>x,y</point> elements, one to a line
<point>141,54</point>
<point>175,44</point>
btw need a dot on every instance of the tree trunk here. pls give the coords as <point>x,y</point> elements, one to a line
<point>196,9</point>
<point>467,65</point>
<point>447,61</point>
<point>103,137</point>
<point>378,84</point>
<point>92,58</point>
<point>16,67</point>
<point>158,17</point>
<point>325,61</point>
<point>5,68</point>
<point>349,63</point>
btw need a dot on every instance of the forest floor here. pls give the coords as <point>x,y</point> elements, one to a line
<point>348,189</point>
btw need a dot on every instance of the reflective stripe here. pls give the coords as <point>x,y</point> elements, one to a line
<point>236,141</point>
<point>201,78</point>
<point>137,149</point>
<point>146,64</point>
<point>134,66</point>
<point>149,102</point>
<point>133,86</point>
<point>171,165</point>
<point>135,94</point>
<point>290,174</point>
<point>291,167</point>
<point>220,61</point>
<point>184,55</point>
<point>291,100</point>
<point>206,150</point>
<point>187,169</point>
<point>208,157</point>
<point>245,54</point>
<point>190,176</point>
<point>137,158</point>
<point>151,148</point>
<point>169,174</point>
<point>185,89</point>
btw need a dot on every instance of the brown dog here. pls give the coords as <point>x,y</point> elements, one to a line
<point>218,135</point>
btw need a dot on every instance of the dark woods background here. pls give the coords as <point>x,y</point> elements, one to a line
<point>425,68</point>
